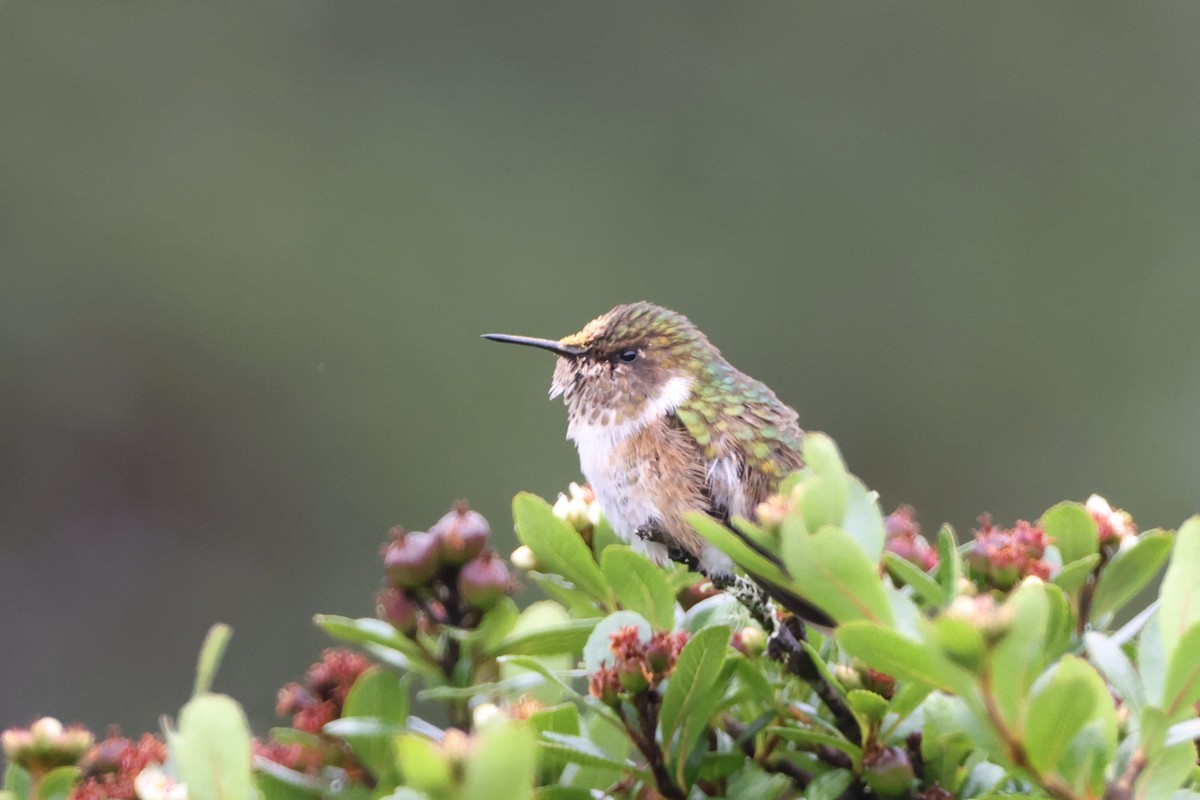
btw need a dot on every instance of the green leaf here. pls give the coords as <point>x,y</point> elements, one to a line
<point>496,624</point>
<point>1129,572</point>
<point>958,642</point>
<point>1019,656</point>
<point>1182,687</point>
<point>563,718</point>
<point>211,653</point>
<point>1072,577</point>
<point>563,793</point>
<point>1060,622</point>
<point>693,693</point>
<point>870,709</point>
<point>371,631</point>
<point>1072,530</point>
<point>18,782</point>
<point>829,785</point>
<point>538,666</point>
<point>754,534</point>
<point>212,749</point>
<point>503,763</point>
<point>720,609</point>
<point>1059,710</point>
<point>825,490</point>
<point>754,783</point>
<point>717,766</point>
<point>837,575</point>
<point>863,520</point>
<point>944,742</point>
<point>293,736</point>
<point>1180,592</point>
<point>1180,732</point>
<point>401,793</point>
<point>887,651</point>
<point>1165,772</point>
<point>545,616</point>
<point>752,681</point>
<point>597,651</point>
<point>1117,669</point>
<point>808,736</point>
<point>579,603</point>
<point>558,546</point>
<point>277,782</point>
<point>581,750</point>
<point>949,568</point>
<point>378,705</point>
<point>906,573</point>
<point>732,545</point>
<point>566,637</point>
<point>57,783</point>
<point>608,735</point>
<point>422,764</point>
<point>1152,660</point>
<point>639,585</point>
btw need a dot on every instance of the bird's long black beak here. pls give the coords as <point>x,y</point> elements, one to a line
<point>570,351</point>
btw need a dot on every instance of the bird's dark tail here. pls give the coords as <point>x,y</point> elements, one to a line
<point>794,603</point>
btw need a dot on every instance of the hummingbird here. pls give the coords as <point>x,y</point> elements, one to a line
<point>664,425</point>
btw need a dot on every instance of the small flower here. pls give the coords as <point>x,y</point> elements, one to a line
<point>662,651</point>
<point>1001,557</point>
<point>523,558</point>
<point>579,508</point>
<point>154,784</point>
<point>111,767</point>
<point>326,685</point>
<point>486,714</point>
<point>982,612</point>
<point>626,643</point>
<point>1114,525</point>
<point>905,540</point>
<point>750,641</point>
<point>46,744</point>
<point>771,513</point>
<point>605,686</point>
<point>295,757</point>
<point>333,676</point>
<point>524,708</point>
<point>849,677</point>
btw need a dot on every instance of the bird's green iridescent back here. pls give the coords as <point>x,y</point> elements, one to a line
<point>730,412</point>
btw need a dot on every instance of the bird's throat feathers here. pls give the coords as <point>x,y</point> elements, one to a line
<point>596,425</point>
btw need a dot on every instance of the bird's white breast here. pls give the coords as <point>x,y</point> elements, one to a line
<point>626,505</point>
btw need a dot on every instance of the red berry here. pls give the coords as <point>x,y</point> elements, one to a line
<point>396,607</point>
<point>462,534</point>
<point>411,560</point>
<point>483,580</point>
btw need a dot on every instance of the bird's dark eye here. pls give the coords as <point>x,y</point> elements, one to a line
<point>628,355</point>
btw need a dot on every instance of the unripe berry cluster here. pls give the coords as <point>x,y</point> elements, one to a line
<point>447,575</point>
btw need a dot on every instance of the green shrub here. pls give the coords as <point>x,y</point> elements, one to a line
<point>987,668</point>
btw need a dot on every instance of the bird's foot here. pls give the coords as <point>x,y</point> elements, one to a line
<point>681,556</point>
<point>752,597</point>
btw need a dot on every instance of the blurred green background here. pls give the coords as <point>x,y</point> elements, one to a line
<point>246,251</point>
